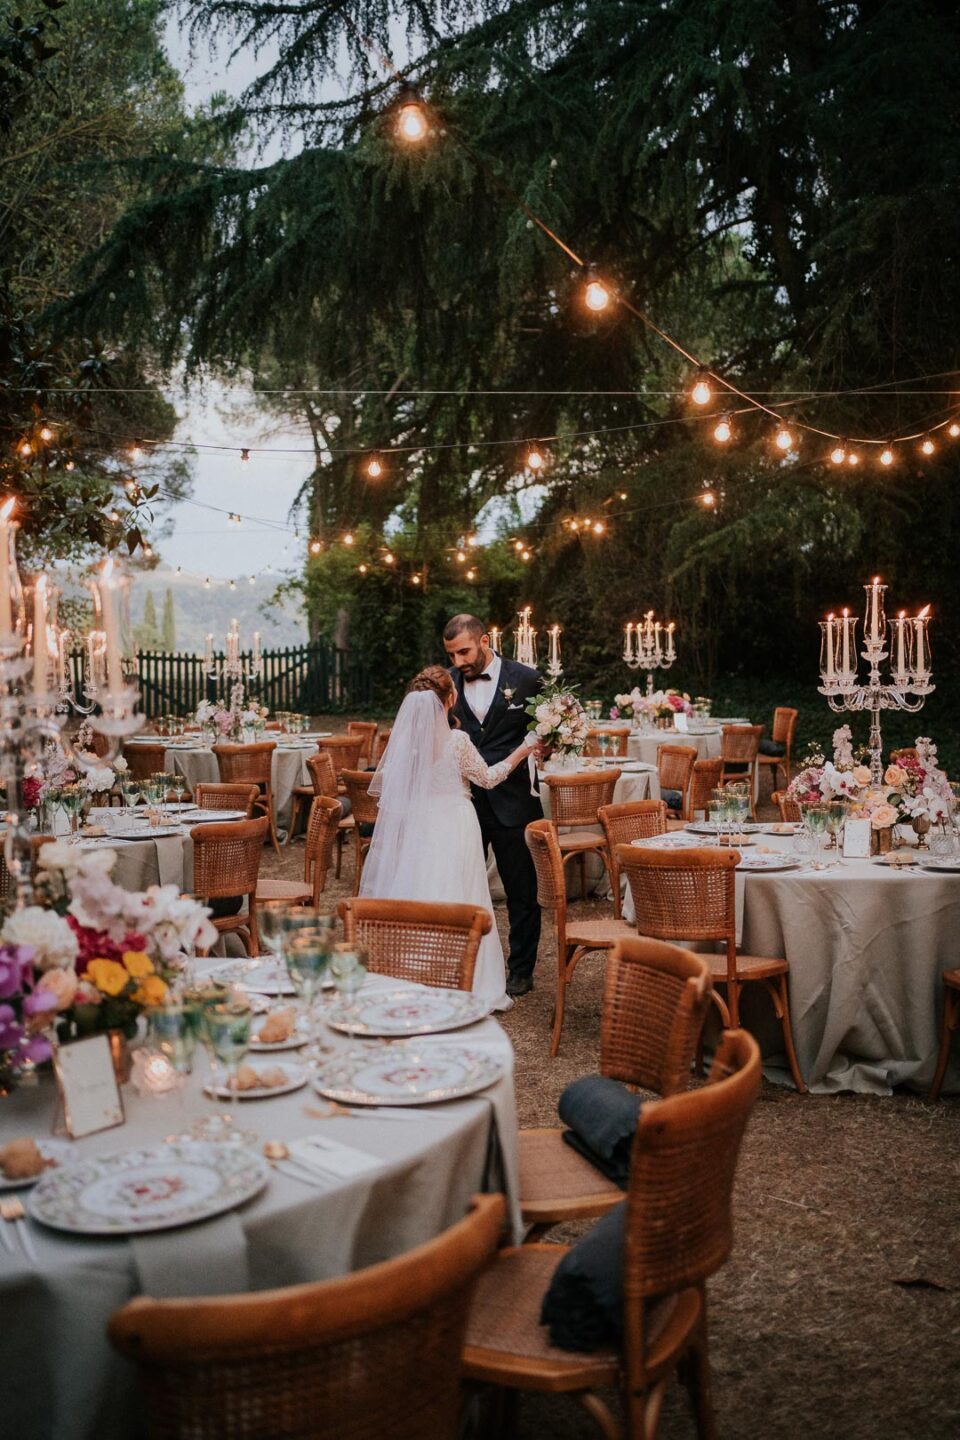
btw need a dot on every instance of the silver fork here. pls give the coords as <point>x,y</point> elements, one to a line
<point>13,1212</point>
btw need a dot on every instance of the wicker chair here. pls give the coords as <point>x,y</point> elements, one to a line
<point>252,764</point>
<point>655,1000</point>
<point>364,807</point>
<point>781,734</point>
<point>789,807</point>
<point>8,884</point>
<point>227,797</point>
<point>432,944</point>
<point>637,820</point>
<point>675,767</point>
<point>321,834</point>
<point>323,781</point>
<point>688,895</point>
<point>367,731</point>
<point>574,802</point>
<point>739,749</point>
<point>226,863</point>
<point>705,777</point>
<point>619,734</point>
<point>145,760</point>
<point>321,1359</point>
<point>381,745</point>
<point>574,939</point>
<point>679,1232</point>
<point>906,752</point>
<point>951,1019</point>
<point>344,751</point>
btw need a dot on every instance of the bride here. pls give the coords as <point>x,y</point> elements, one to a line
<point>426,844</point>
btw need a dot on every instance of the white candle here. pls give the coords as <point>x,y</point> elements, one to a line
<point>846,642</point>
<point>920,626</point>
<point>40,596</point>
<point>63,644</point>
<point>671,652</point>
<point>901,652</point>
<point>6,610</point>
<point>875,610</point>
<point>111,627</point>
<point>829,672</point>
<point>627,646</point>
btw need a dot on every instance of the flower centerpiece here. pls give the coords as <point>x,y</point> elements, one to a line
<point>820,780</point>
<point>629,706</point>
<point>241,719</point>
<point>103,953</point>
<point>559,721</point>
<point>918,790</point>
<point>663,705</point>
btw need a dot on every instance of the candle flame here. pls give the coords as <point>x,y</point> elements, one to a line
<point>922,614</point>
<point>7,510</point>
<point>830,616</point>
<point>846,613</point>
<point>901,614</point>
<point>876,579</point>
<point>107,568</point>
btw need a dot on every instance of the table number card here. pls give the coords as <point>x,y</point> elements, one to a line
<point>88,1086</point>
<point>856,840</point>
<point>680,722</point>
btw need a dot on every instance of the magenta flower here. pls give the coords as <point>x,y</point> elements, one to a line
<point>16,969</point>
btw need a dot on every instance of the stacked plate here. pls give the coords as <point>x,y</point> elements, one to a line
<point>407,1074</point>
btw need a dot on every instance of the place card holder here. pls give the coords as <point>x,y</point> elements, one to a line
<point>88,1096</point>
<point>856,840</point>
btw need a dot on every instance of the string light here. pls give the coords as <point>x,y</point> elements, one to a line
<point>471,574</point>
<point>853,458</point>
<point>461,557</point>
<point>954,430</point>
<point>362,569</point>
<point>46,434</point>
<point>472,541</point>
<point>598,527</point>
<point>927,447</point>
<point>136,450</point>
<point>623,494</point>
<point>524,554</point>
<point>348,539</point>
<point>708,500</point>
<point>886,456</point>
<point>702,394</point>
<point>244,456</point>
<point>411,123</point>
<point>519,546</point>
<point>374,467</point>
<point>596,296</point>
<point>535,460</point>
<point>70,465</point>
<point>783,439</point>
<point>723,431</point>
<point>838,454</point>
<point>25,448</point>
<point>415,579</point>
<point>315,547</point>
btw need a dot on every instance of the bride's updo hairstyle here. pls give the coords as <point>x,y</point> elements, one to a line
<point>437,680</point>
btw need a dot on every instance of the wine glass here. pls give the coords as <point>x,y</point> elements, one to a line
<point>308,960</point>
<point>603,744</point>
<point>178,785</point>
<point>349,971</point>
<point>71,802</point>
<point>174,1031</point>
<point>815,820</point>
<point>228,1031</point>
<point>131,791</point>
<point>836,817</point>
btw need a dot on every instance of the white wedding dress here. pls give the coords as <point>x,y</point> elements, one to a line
<point>426,844</point>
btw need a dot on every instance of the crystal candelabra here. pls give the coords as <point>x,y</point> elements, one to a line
<point>648,645</point>
<point>554,667</point>
<point>909,652</point>
<point>34,694</point>
<point>525,638</point>
<point>234,668</point>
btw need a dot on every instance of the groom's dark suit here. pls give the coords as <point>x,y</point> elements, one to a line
<point>505,811</point>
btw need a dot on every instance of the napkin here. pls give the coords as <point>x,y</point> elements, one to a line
<point>170,860</point>
<point>207,1259</point>
<point>329,1157</point>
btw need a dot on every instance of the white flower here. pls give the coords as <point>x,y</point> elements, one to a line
<point>120,765</point>
<point>53,941</point>
<point>95,781</point>
<point>205,711</point>
<point>58,855</point>
<point>97,862</point>
<point>543,728</point>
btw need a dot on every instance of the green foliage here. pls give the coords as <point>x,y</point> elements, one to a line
<point>146,634</point>
<point>168,639</point>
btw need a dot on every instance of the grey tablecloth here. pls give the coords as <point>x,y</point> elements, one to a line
<point>198,766</point>
<point>866,947</point>
<point>168,860</point>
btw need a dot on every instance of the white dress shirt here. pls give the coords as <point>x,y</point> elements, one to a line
<point>479,693</point>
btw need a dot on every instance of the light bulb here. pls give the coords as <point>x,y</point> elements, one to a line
<point>574,524</point>
<point>954,430</point>
<point>535,460</point>
<point>928,446</point>
<point>886,456</point>
<point>853,458</point>
<point>524,554</point>
<point>723,431</point>
<point>708,499</point>
<point>599,528</point>
<point>46,434</point>
<point>518,546</point>
<point>374,468</point>
<point>838,455</point>
<point>471,574</point>
<point>388,558</point>
<point>623,494</point>
<point>461,557</point>
<point>70,465</point>
<point>411,122</point>
<point>315,547</point>
<point>783,439</point>
<point>415,579</point>
<point>472,541</point>
<point>362,569</point>
<point>348,539</point>
<point>701,393</point>
<point>25,448</point>
<point>596,296</point>
<point>136,452</point>
<point>244,457</point>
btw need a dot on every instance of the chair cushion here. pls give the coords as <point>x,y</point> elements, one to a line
<point>583,1305</point>
<point>225,906</point>
<point>602,1116</point>
<point>283,890</point>
<point>673,799</point>
<point>774,748</point>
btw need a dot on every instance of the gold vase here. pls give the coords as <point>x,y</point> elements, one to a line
<point>120,1055</point>
<point>881,841</point>
<point>921,824</point>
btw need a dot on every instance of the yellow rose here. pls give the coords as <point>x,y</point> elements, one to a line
<point>108,976</point>
<point>152,992</point>
<point>138,964</point>
<point>862,775</point>
<point>893,775</point>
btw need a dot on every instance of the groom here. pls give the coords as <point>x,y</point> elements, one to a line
<point>491,706</point>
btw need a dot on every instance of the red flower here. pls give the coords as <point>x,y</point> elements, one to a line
<point>30,790</point>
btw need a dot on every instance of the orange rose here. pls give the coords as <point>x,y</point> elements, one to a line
<point>152,992</point>
<point>138,964</point>
<point>108,976</point>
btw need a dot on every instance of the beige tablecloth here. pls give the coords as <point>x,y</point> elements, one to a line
<point>167,860</point>
<point>866,946</point>
<point>198,766</point>
<point>63,1380</point>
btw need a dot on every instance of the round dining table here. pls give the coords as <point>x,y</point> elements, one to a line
<point>419,1167</point>
<point>149,854</point>
<point>867,943</point>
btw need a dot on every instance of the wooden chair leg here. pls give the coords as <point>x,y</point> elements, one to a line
<point>341,841</point>
<point>951,1015</point>
<point>781,1003</point>
<point>600,1415</point>
<point>615,887</point>
<point>563,963</point>
<point>697,1380</point>
<point>582,860</point>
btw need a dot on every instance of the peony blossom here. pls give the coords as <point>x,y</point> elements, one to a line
<point>895,775</point>
<point>862,775</point>
<point>52,939</point>
<point>62,985</point>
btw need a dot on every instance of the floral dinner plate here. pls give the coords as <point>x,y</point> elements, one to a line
<point>407,1075</point>
<point>136,1191</point>
<point>767,862</point>
<point>267,978</point>
<point>405,1012</point>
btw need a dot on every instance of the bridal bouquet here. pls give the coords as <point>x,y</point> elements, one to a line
<point>558,720</point>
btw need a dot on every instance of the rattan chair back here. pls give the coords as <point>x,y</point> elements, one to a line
<point>655,1000</point>
<point>618,734</point>
<point>675,767</point>
<point>363,805</point>
<point>323,775</point>
<point>226,857</point>
<point>684,895</point>
<point>8,884</point>
<point>740,744</point>
<point>227,797</point>
<point>332,1358</point>
<point>705,777</point>
<point>344,751</point>
<point>144,760</point>
<point>576,799</point>
<point>636,820</point>
<point>784,725</point>
<point>788,805</point>
<point>381,745</point>
<point>321,837</point>
<point>544,847</point>
<point>252,763</point>
<point>367,731</point>
<point>432,944</point>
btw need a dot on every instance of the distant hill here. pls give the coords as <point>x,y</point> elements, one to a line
<point>198,611</point>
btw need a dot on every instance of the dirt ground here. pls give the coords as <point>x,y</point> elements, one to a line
<point>838,1314</point>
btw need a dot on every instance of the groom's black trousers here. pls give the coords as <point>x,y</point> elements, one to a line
<point>519,877</point>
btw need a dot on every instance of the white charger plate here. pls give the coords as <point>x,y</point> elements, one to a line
<point>405,1012</point>
<point>296,1079</point>
<point>407,1075</point>
<point>136,1191</point>
<point>249,975</point>
<point>763,864</point>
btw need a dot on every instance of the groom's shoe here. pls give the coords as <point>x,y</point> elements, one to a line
<point>518,985</point>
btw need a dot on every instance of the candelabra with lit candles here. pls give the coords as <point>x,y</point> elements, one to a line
<point>909,655</point>
<point>648,644</point>
<point>234,668</point>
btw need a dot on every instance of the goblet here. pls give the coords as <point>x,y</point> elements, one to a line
<point>349,972</point>
<point>228,1033</point>
<point>308,960</point>
<point>836,818</point>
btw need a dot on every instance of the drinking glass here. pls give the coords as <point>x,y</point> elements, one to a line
<point>603,744</point>
<point>806,846</point>
<point>943,842</point>
<point>178,785</point>
<point>174,1031</point>
<point>815,821</point>
<point>349,971</point>
<point>71,802</point>
<point>131,791</point>
<point>308,959</point>
<point>228,1031</point>
<point>836,817</point>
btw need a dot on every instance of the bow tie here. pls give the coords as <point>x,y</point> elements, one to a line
<point>476,678</point>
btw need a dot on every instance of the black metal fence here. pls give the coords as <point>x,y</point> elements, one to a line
<point>312,679</point>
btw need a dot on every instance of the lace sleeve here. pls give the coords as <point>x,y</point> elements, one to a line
<point>474,768</point>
